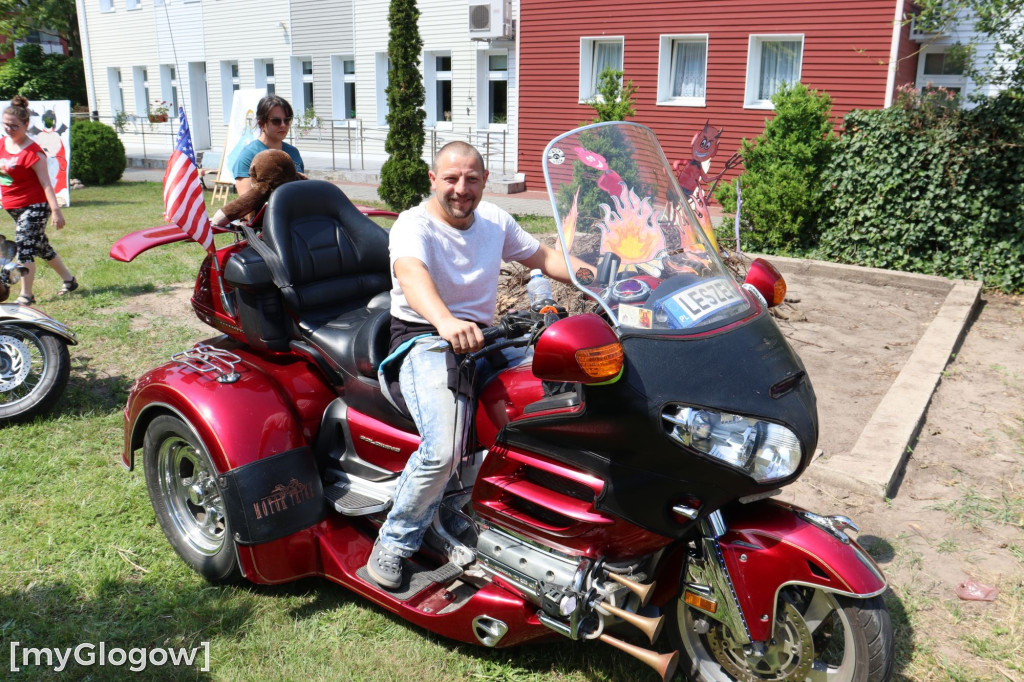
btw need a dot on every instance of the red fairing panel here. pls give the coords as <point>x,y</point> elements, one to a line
<point>769,546</point>
<point>380,444</point>
<point>272,408</point>
<point>555,504</point>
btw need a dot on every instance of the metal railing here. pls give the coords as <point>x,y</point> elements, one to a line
<point>348,141</point>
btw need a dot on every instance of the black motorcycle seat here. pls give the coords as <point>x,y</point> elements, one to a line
<point>356,341</point>
<point>333,279</point>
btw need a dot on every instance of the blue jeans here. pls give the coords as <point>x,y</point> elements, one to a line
<point>434,409</point>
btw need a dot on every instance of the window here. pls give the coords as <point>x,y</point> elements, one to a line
<point>682,70</point>
<point>936,68</point>
<point>140,82</point>
<point>596,55</point>
<point>343,87</point>
<point>264,75</point>
<point>382,66</point>
<point>169,88</point>
<point>437,75</point>
<point>302,84</point>
<point>493,88</point>
<point>307,84</point>
<point>772,60</point>
<point>106,5</point>
<point>229,83</point>
<point>116,90</point>
<point>131,4</point>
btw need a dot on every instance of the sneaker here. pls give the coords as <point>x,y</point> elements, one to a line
<point>385,567</point>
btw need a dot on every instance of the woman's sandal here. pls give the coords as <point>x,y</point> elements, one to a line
<point>69,286</point>
<point>25,300</point>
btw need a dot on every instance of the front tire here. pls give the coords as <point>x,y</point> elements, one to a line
<point>182,483</point>
<point>34,369</point>
<point>818,636</point>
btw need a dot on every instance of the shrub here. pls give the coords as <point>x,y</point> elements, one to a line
<point>781,183</point>
<point>403,177</point>
<point>927,187</point>
<point>97,155</point>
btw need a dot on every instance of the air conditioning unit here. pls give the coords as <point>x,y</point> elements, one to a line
<point>917,32</point>
<point>490,19</point>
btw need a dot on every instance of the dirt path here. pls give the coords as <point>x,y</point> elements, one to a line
<point>959,512</point>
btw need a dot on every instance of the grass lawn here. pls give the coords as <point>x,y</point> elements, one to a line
<point>82,559</point>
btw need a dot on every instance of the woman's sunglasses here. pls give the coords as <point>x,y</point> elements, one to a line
<point>278,121</point>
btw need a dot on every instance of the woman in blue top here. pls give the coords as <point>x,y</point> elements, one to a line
<point>274,118</point>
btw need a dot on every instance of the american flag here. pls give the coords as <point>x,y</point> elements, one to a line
<point>183,195</point>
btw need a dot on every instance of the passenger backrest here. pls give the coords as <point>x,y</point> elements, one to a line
<point>334,257</point>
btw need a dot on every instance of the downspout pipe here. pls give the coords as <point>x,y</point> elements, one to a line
<point>894,54</point>
<point>90,83</point>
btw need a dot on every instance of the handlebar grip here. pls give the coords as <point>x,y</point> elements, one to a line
<point>492,333</point>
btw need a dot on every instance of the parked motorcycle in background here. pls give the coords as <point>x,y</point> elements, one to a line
<point>34,360</point>
<point>616,481</point>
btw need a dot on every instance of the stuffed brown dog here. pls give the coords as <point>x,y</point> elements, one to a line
<point>269,170</point>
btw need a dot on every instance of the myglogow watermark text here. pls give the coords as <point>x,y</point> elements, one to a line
<point>88,654</point>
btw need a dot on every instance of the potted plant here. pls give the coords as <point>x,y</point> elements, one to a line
<point>158,112</point>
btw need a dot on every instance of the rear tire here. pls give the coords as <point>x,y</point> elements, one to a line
<point>182,483</point>
<point>818,636</point>
<point>34,370</point>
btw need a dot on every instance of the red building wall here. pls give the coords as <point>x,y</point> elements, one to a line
<point>846,53</point>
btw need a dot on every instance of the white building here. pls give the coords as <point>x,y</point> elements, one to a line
<point>936,68</point>
<point>325,56</point>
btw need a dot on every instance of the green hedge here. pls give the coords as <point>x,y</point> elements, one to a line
<point>928,187</point>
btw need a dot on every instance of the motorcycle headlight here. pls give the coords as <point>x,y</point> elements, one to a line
<point>763,450</point>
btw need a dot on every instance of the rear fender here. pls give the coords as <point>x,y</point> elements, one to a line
<point>255,417</point>
<point>769,545</point>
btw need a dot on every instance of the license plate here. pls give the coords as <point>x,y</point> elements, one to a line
<point>701,300</point>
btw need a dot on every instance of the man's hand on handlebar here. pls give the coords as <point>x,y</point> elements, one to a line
<point>463,337</point>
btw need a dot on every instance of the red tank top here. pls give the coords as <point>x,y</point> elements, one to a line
<point>19,186</point>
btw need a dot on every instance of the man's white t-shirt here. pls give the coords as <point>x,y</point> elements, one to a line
<point>464,264</point>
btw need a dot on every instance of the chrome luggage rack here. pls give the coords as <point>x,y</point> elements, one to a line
<point>203,358</point>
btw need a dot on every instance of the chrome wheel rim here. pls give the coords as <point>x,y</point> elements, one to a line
<point>21,365</point>
<point>812,640</point>
<point>194,503</point>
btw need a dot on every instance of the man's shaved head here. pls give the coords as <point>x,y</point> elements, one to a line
<point>458,148</point>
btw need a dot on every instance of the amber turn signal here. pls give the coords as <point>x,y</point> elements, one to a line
<point>601,363</point>
<point>699,602</point>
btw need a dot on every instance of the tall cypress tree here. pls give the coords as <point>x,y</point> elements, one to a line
<point>403,178</point>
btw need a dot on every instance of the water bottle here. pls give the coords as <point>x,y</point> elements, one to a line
<point>538,288</point>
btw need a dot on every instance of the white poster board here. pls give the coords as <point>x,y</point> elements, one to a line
<point>49,126</point>
<point>241,129</point>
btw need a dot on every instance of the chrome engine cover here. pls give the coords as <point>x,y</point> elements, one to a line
<point>524,564</point>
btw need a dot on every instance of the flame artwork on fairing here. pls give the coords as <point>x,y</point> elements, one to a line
<point>630,229</point>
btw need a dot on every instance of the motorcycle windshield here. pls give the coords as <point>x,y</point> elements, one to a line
<point>619,208</point>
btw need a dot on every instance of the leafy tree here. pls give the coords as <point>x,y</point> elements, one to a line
<point>614,99</point>
<point>999,23</point>
<point>781,183</point>
<point>54,17</point>
<point>614,102</point>
<point>403,178</point>
<point>42,76</point>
